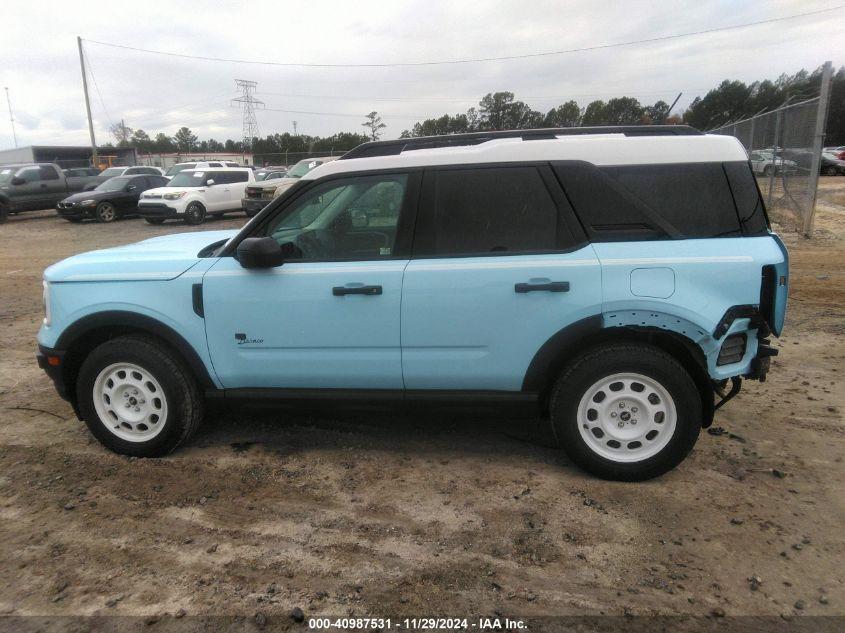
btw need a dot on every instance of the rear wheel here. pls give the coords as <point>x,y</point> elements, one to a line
<point>4,213</point>
<point>767,170</point>
<point>155,221</point>
<point>137,397</point>
<point>195,213</point>
<point>626,411</point>
<point>106,212</point>
<point>828,171</point>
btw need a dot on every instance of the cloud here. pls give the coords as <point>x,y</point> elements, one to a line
<point>161,93</point>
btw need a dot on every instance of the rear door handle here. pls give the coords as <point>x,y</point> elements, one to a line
<point>340,291</point>
<point>550,286</point>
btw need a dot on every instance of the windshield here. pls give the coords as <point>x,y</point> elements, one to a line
<point>303,167</point>
<point>6,176</point>
<point>177,168</point>
<point>113,184</point>
<point>188,179</point>
<point>111,172</point>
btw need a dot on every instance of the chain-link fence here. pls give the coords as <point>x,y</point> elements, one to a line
<point>290,158</point>
<point>780,144</point>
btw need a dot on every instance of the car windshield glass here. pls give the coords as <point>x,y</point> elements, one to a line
<point>112,172</point>
<point>6,176</point>
<point>177,168</point>
<point>303,167</point>
<point>187,179</point>
<point>113,184</point>
<point>261,176</point>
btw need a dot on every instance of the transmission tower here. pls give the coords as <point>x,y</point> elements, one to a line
<point>248,104</point>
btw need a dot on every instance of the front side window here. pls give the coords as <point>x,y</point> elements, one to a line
<point>303,167</point>
<point>33,174</point>
<point>349,218</point>
<point>48,173</point>
<point>489,211</point>
<point>114,184</point>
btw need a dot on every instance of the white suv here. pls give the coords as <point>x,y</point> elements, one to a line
<point>191,195</point>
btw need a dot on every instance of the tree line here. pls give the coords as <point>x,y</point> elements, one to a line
<point>730,101</point>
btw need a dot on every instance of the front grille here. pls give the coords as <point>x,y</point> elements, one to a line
<point>733,349</point>
<point>253,192</point>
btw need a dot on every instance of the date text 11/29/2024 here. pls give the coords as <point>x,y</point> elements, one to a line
<point>418,624</point>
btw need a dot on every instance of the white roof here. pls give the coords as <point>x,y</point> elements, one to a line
<point>599,149</point>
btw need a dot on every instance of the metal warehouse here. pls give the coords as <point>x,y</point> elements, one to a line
<point>69,155</point>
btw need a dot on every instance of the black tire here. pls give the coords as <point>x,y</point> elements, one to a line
<point>184,402</point>
<point>616,358</point>
<point>155,221</point>
<point>4,213</point>
<point>195,213</point>
<point>828,171</point>
<point>250,213</point>
<point>105,212</point>
<point>767,170</point>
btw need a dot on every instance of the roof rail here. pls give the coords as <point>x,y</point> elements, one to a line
<point>391,148</point>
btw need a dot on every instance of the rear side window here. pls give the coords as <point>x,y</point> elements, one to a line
<point>48,173</point>
<point>487,211</point>
<point>749,204</point>
<point>648,202</point>
<point>237,176</point>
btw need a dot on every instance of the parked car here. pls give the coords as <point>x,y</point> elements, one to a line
<point>270,173</point>
<point>111,200</point>
<point>32,186</point>
<point>191,195</point>
<point>762,163</point>
<point>175,169</point>
<point>82,178</point>
<point>257,196</point>
<point>524,273</point>
<point>113,172</point>
<point>832,165</point>
<point>838,151</point>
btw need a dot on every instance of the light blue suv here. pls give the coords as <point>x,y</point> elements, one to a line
<point>619,282</point>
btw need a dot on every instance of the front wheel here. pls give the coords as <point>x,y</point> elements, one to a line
<point>137,397</point>
<point>626,412</point>
<point>195,213</point>
<point>106,212</point>
<point>828,171</point>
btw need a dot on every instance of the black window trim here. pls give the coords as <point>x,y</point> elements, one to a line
<point>567,218</point>
<point>404,229</point>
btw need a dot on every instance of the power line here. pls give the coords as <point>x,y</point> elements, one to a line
<point>661,38</point>
<point>474,99</point>
<point>248,104</point>
<point>97,87</point>
<point>349,114</point>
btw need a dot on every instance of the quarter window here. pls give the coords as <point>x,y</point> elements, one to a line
<point>488,211</point>
<point>648,202</point>
<point>349,218</point>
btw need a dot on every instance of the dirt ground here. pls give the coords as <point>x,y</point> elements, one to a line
<point>385,516</point>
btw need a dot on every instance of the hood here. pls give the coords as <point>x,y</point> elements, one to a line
<point>156,259</point>
<point>91,195</point>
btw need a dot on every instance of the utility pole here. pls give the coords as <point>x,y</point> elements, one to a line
<point>94,158</point>
<point>294,128</point>
<point>11,118</point>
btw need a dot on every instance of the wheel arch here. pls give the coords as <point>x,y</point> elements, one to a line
<point>82,336</point>
<point>582,335</point>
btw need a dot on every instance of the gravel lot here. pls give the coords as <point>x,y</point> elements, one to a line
<point>441,515</point>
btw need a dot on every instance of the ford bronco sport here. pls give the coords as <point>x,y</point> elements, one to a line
<point>619,282</point>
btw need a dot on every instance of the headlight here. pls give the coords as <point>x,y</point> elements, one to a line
<point>88,203</point>
<point>174,196</point>
<point>45,297</point>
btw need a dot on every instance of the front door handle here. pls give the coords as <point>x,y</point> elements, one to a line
<point>340,291</point>
<point>549,286</point>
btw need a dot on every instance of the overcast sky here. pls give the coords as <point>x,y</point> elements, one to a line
<point>40,62</point>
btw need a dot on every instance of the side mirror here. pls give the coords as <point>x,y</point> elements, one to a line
<point>131,188</point>
<point>209,182</point>
<point>260,252</point>
<point>17,180</point>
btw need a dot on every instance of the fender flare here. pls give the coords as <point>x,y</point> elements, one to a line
<point>132,321</point>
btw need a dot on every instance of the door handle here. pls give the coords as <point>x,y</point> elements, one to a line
<point>549,286</point>
<point>340,291</point>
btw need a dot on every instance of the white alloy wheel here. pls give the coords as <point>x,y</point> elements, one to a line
<point>130,402</point>
<point>627,417</point>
